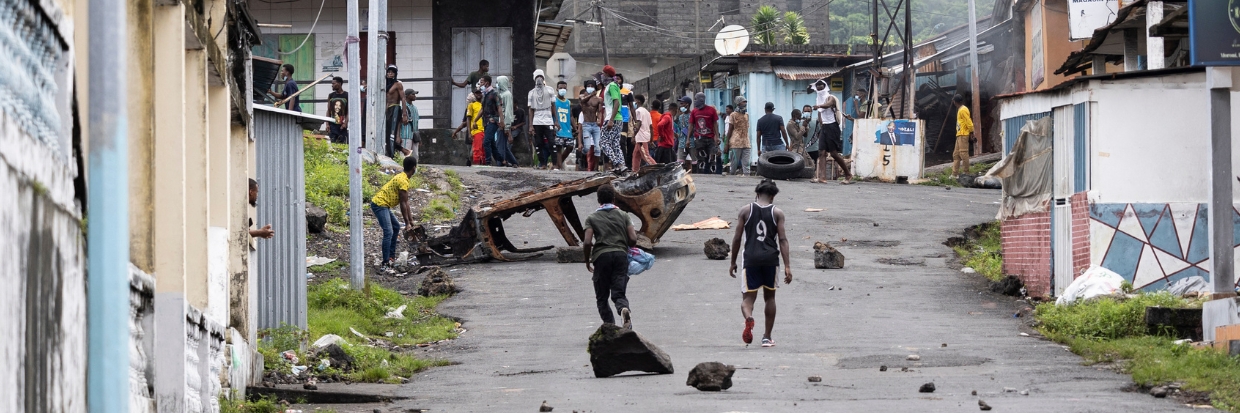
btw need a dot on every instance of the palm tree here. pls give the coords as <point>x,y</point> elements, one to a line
<point>765,24</point>
<point>793,28</point>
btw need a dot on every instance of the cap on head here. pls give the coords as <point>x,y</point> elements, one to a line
<point>609,71</point>
<point>739,100</point>
<point>686,99</point>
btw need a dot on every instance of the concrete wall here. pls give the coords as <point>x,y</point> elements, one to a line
<point>410,20</point>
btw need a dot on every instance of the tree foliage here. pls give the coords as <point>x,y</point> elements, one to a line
<point>793,28</point>
<point>851,20</point>
<point>765,23</point>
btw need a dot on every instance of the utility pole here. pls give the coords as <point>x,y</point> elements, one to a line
<point>974,81</point>
<point>378,29</point>
<point>910,78</point>
<point>602,30</point>
<point>374,111</point>
<point>357,258</point>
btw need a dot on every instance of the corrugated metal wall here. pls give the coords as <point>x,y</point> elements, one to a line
<point>281,203</point>
<point>1011,128</point>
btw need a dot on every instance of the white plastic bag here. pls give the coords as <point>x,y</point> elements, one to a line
<point>1096,281</point>
<point>639,261</point>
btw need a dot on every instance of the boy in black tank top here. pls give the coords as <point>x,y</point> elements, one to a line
<point>758,225</point>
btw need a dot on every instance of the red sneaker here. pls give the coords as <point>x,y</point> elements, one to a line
<point>747,335</point>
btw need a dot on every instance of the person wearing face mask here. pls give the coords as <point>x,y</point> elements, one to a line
<point>809,122</point>
<point>591,133</point>
<point>564,124</point>
<point>852,106</point>
<point>681,127</point>
<point>704,131</point>
<point>543,126</point>
<point>829,144</point>
<point>738,137</point>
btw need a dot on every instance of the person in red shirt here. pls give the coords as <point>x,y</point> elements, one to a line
<point>703,130</point>
<point>665,149</point>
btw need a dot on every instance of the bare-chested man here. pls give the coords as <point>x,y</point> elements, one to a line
<point>397,112</point>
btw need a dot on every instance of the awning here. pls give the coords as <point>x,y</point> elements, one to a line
<point>804,72</point>
<point>550,39</point>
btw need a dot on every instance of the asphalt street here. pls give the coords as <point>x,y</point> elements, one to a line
<point>528,322</point>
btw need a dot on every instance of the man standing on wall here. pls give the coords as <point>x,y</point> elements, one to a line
<point>612,120</point>
<point>829,144</point>
<point>542,124</point>
<point>290,89</point>
<point>564,123</point>
<point>397,112</point>
<point>964,135</point>
<point>760,225</point>
<point>738,137</point>
<point>472,81</point>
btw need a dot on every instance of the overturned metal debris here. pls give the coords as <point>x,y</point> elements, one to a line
<point>656,195</point>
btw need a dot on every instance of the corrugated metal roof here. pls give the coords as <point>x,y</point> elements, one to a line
<point>803,72</point>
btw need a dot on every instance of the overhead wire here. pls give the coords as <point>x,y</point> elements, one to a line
<point>672,33</point>
<point>311,32</point>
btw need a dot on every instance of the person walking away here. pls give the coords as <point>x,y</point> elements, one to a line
<point>410,136</point>
<point>704,123</point>
<point>627,132</point>
<point>289,89</point>
<point>612,120</point>
<point>809,122</point>
<point>828,133</point>
<point>564,125</point>
<point>852,105</point>
<point>643,125</point>
<point>472,80</point>
<point>591,133</point>
<point>543,126</point>
<point>738,137</point>
<point>472,123</point>
<point>796,134</point>
<point>609,235</point>
<point>397,112</point>
<point>665,150</point>
<point>337,102</point>
<point>492,120</point>
<point>964,135</point>
<point>393,193</point>
<point>771,130</point>
<point>763,250</point>
<point>503,141</point>
<point>656,115</point>
<point>681,128</point>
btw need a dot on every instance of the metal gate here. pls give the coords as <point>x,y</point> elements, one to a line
<point>469,45</point>
<point>281,180</point>
<point>1062,178</point>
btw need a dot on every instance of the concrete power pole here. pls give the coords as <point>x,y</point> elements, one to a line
<point>602,31</point>
<point>357,258</point>
<point>378,29</point>
<point>974,81</point>
<point>374,77</point>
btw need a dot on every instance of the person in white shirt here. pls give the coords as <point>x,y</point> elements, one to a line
<point>543,127</point>
<point>641,148</point>
<point>829,141</point>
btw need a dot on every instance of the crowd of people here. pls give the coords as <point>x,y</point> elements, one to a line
<point>610,128</point>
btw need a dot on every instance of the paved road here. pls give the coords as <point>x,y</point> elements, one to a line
<point>528,322</point>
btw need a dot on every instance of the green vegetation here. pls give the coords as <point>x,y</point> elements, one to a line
<point>329,268</point>
<point>793,29</point>
<point>327,178</point>
<point>1113,330</point>
<point>264,404</point>
<point>770,27</point>
<point>984,254</point>
<point>334,308</point>
<point>851,20</point>
<point>944,177</point>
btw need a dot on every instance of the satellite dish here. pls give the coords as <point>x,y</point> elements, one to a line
<point>731,40</point>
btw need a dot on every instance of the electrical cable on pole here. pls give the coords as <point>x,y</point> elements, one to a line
<point>602,31</point>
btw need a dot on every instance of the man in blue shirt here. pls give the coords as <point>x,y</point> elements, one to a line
<point>564,141</point>
<point>290,87</point>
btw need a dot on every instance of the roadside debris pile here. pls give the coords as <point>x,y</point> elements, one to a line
<point>326,362</point>
<point>614,350</point>
<point>717,249</point>
<point>711,376</point>
<point>827,257</point>
<point>437,282</point>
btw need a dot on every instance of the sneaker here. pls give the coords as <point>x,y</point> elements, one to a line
<point>766,342</point>
<point>747,335</point>
<point>627,319</point>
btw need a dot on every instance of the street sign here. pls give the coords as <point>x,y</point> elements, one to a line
<point>1214,32</point>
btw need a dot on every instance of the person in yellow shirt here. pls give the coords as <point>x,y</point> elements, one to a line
<point>473,120</point>
<point>395,192</point>
<point>964,134</point>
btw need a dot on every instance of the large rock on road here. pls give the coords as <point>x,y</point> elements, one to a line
<point>614,350</point>
<point>711,376</point>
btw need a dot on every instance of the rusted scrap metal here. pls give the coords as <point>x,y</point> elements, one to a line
<point>656,195</point>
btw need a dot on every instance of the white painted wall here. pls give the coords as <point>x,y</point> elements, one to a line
<point>1149,136</point>
<point>410,19</point>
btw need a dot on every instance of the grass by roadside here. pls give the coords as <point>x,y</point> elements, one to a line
<point>1113,330</point>
<point>334,308</point>
<point>264,404</point>
<point>944,178</point>
<point>983,252</point>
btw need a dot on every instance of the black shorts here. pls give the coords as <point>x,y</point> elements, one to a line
<point>829,138</point>
<point>757,278</point>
